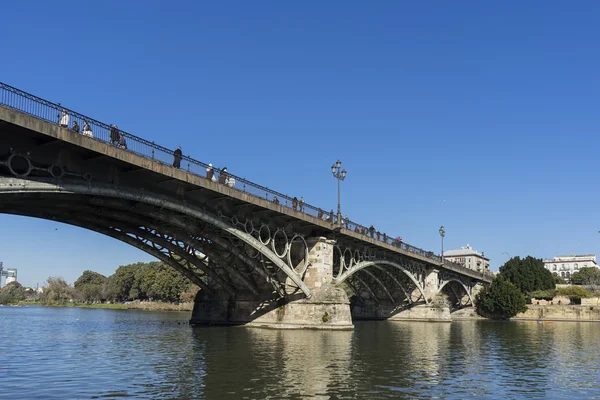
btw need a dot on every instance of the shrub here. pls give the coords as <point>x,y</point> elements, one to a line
<point>500,300</point>
<point>543,294</point>
<point>574,293</point>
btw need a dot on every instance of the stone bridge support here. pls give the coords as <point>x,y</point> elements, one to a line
<point>433,310</point>
<point>328,307</point>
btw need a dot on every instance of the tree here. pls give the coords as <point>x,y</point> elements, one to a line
<point>12,293</point>
<point>574,293</point>
<point>89,286</point>
<point>527,274</point>
<point>589,276</point>
<point>500,300</point>
<point>122,281</point>
<point>90,278</point>
<point>558,280</point>
<point>57,290</point>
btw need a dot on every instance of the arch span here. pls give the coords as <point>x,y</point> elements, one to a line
<point>375,263</point>
<point>462,285</point>
<point>47,188</point>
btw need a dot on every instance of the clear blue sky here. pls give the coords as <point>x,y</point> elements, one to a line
<point>479,116</point>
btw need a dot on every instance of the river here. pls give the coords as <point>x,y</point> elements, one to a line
<point>73,353</point>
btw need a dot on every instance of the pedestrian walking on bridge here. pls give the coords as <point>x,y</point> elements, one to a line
<point>114,135</point>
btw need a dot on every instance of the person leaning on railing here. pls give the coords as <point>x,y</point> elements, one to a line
<point>223,176</point>
<point>177,155</point>
<point>64,120</point>
<point>210,173</point>
<point>75,127</point>
<point>114,135</point>
<point>87,131</point>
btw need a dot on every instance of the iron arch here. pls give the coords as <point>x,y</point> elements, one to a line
<point>461,284</point>
<point>45,186</point>
<point>364,264</point>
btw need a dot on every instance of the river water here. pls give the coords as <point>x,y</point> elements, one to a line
<point>72,353</point>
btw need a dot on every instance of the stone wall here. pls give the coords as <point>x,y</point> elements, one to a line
<point>560,313</point>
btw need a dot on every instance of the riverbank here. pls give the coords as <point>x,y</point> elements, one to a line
<point>556,312</point>
<point>134,305</point>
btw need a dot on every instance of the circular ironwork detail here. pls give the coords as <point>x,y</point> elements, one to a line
<point>249,223</point>
<point>289,254</point>
<point>12,168</point>
<point>56,171</point>
<point>274,245</point>
<point>350,262</point>
<point>260,234</point>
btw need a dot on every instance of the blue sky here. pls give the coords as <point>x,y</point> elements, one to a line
<point>479,116</point>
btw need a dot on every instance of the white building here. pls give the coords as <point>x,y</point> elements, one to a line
<point>469,258</point>
<point>565,266</point>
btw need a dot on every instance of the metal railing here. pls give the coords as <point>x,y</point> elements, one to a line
<point>17,99</point>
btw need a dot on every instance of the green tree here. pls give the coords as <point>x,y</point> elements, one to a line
<point>123,280</point>
<point>57,290</point>
<point>500,300</point>
<point>558,280</point>
<point>89,285</point>
<point>12,293</point>
<point>527,274</point>
<point>574,293</point>
<point>589,276</point>
<point>90,278</point>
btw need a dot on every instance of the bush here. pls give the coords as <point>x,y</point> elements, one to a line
<point>547,295</point>
<point>574,293</point>
<point>500,300</point>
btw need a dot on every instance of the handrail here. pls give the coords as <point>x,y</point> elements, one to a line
<point>40,108</point>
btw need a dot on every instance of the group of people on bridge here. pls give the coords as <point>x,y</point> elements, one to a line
<point>118,139</point>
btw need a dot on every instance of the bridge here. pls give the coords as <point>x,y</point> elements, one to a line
<point>259,257</point>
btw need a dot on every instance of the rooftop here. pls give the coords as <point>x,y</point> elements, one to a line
<point>464,251</point>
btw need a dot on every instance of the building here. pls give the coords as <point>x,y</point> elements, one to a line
<point>469,258</point>
<point>565,266</point>
<point>10,274</point>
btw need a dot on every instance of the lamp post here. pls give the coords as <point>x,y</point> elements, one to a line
<point>340,174</point>
<point>442,234</point>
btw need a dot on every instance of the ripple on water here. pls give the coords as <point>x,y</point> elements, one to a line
<point>60,353</point>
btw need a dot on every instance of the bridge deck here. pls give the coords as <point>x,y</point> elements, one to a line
<point>108,163</point>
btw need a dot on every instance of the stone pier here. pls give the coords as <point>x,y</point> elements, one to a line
<point>327,308</point>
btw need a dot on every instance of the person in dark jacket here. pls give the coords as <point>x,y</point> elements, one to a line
<point>114,135</point>
<point>177,154</point>
<point>223,176</point>
<point>75,127</point>
<point>122,142</point>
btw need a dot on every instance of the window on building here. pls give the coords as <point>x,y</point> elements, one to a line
<point>568,275</point>
<point>575,266</point>
<point>562,274</point>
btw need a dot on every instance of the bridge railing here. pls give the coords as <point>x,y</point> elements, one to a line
<point>17,99</point>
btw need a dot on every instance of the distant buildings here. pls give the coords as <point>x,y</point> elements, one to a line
<point>469,258</point>
<point>565,266</point>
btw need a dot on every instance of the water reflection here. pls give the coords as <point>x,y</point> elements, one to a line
<point>74,353</point>
<point>260,363</point>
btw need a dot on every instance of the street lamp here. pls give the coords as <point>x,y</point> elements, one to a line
<point>442,234</point>
<point>340,175</point>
